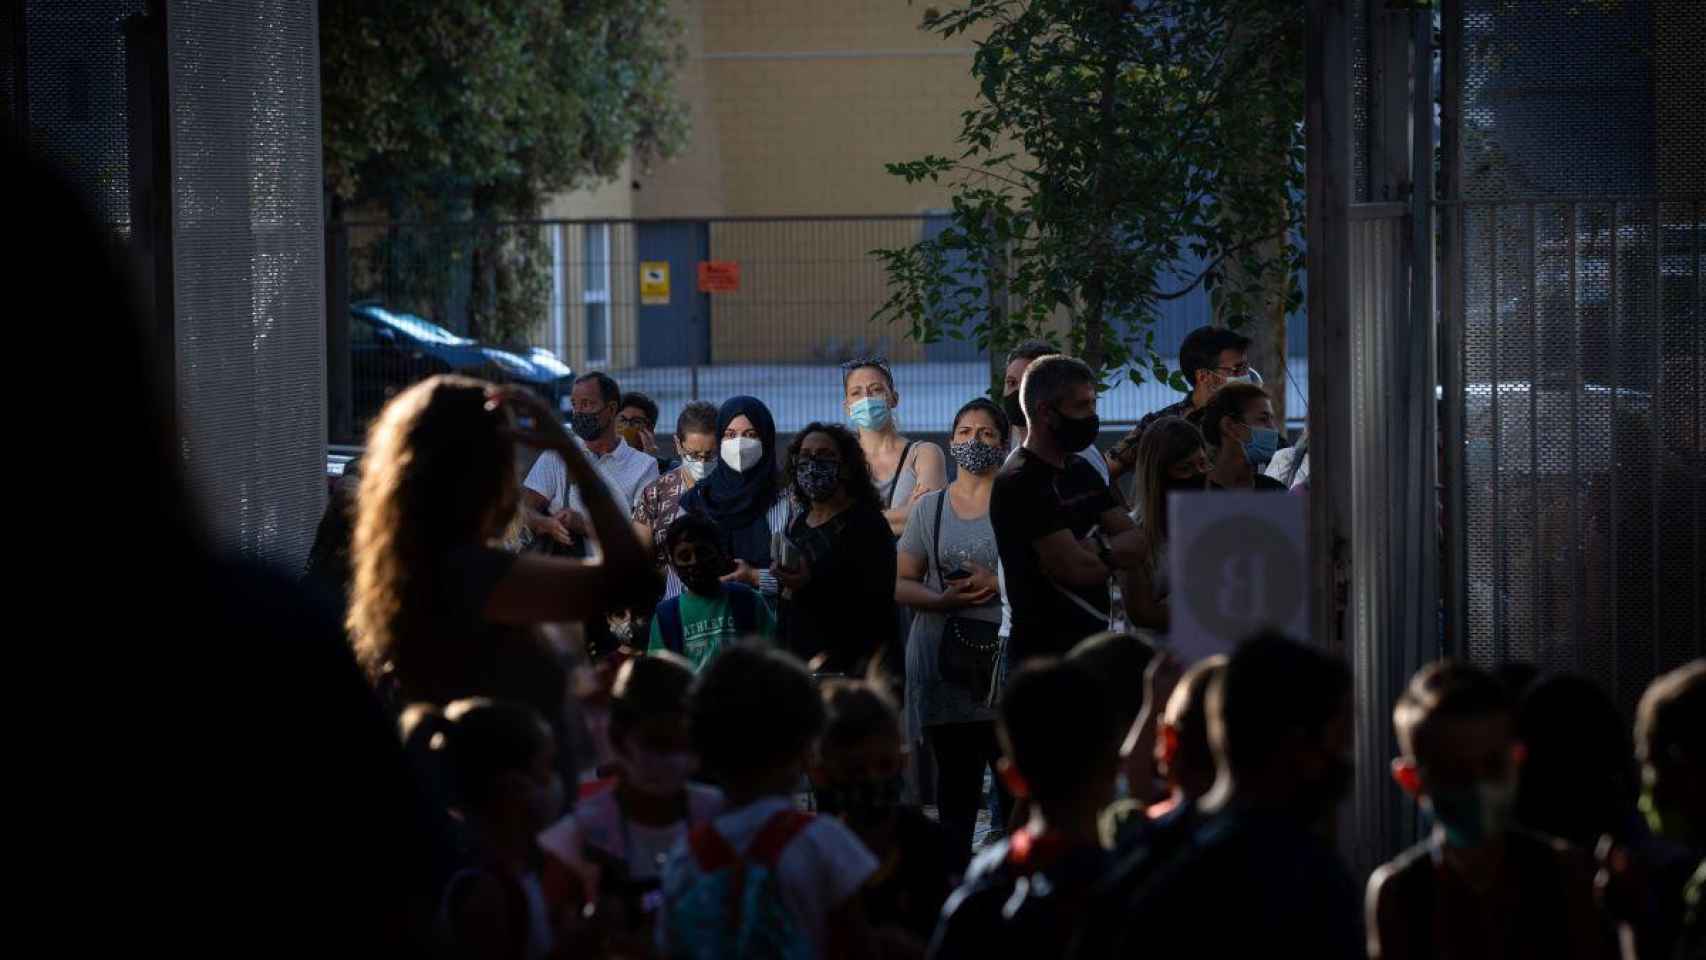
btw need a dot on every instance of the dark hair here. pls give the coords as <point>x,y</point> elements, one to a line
<point>692,526</point>
<point>879,364</point>
<point>1166,442</point>
<point>753,710</point>
<point>1056,728</point>
<point>649,686</point>
<point>857,711</point>
<point>1047,378</point>
<point>1202,348</point>
<point>472,743</point>
<point>1031,350</point>
<point>1579,779</point>
<point>1117,661</point>
<point>1670,721</point>
<point>700,416</point>
<point>855,469</point>
<point>1439,692</point>
<point>634,398</point>
<point>607,387</point>
<point>1273,689</point>
<point>984,405</point>
<point>1228,401</point>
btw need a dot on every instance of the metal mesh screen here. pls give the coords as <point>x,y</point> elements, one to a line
<point>1362,83</point>
<point>1580,243</point>
<point>247,245</point>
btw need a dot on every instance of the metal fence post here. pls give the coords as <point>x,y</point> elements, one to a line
<point>340,400</point>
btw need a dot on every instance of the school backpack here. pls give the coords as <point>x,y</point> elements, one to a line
<point>724,905</point>
<point>1009,906</point>
<point>743,601</point>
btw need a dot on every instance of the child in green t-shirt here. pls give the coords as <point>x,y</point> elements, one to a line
<point>709,614</point>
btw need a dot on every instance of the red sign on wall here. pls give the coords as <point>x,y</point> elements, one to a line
<point>719,276</point>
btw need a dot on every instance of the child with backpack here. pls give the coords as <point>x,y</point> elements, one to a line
<point>710,614</point>
<point>625,825</point>
<point>499,763</point>
<point>857,778</point>
<point>1477,886</point>
<point>762,880</point>
<point>1025,896</point>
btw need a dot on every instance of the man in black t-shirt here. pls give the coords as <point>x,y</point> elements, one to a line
<point>1058,528</point>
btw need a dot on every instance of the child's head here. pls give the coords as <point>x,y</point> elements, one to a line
<point>1057,739</point>
<point>1117,661</point>
<point>1670,743</point>
<point>1182,751</point>
<point>695,554</point>
<point>499,762</point>
<point>1279,722</point>
<point>860,756</point>
<point>648,724</point>
<point>1456,730</point>
<point>755,714</point>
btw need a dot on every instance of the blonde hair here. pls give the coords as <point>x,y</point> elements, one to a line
<point>439,473</point>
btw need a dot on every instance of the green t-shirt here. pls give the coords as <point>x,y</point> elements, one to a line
<point>708,625</point>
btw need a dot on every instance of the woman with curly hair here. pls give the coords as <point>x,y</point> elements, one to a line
<point>838,601</point>
<point>438,611</point>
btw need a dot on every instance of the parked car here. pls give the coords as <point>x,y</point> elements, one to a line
<point>389,351</point>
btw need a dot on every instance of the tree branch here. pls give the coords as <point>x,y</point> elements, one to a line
<point>1239,248</point>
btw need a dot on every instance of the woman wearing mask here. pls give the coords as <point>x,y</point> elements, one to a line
<point>946,573</point>
<point>838,606</point>
<point>743,494</point>
<point>1239,426</point>
<point>659,502</point>
<point>1170,458</point>
<point>902,470</point>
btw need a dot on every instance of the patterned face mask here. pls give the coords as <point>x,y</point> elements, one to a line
<point>817,478</point>
<point>975,456</point>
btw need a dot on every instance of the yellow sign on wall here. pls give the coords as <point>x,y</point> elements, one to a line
<point>654,283</point>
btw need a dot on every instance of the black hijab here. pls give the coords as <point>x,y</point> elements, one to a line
<point>738,502</point>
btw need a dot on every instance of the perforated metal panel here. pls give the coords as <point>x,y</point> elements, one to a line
<point>247,248</point>
<point>1579,247</point>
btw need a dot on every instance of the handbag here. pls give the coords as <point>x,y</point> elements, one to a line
<point>969,648</point>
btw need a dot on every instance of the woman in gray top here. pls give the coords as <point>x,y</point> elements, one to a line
<point>903,470</point>
<point>946,573</point>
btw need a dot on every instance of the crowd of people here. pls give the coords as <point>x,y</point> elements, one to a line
<point>481,760</point>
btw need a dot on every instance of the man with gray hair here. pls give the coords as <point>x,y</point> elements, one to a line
<point>1058,528</point>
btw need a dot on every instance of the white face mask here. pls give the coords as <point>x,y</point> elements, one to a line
<point>697,469</point>
<point>742,453</point>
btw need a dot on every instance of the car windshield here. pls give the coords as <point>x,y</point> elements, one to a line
<point>421,329</point>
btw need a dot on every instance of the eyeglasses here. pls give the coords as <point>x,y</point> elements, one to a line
<point>1241,370</point>
<point>698,457</point>
<point>641,422</point>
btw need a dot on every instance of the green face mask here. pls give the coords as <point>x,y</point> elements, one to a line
<point>1674,825</point>
<point>1472,815</point>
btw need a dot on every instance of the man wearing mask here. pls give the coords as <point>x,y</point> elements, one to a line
<point>1209,358</point>
<point>1256,874</point>
<point>1058,528</point>
<point>1477,886</point>
<point>556,512</point>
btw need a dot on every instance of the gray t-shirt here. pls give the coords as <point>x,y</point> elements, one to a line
<point>930,700</point>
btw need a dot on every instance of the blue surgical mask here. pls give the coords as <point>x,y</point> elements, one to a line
<point>871,413</point>
<point>1262,445</point>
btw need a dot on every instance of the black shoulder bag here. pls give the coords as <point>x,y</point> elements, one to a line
<point>969,648</point>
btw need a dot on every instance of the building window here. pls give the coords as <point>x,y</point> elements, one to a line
<point>595,292</point>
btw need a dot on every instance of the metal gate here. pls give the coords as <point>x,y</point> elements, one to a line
<point>1574,161</point>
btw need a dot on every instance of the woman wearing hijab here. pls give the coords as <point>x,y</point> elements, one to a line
<point>743,495</point>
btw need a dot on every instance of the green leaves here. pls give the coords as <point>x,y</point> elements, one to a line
<point>1109,138</point>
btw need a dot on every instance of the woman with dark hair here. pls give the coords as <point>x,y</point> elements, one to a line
<point>1240,428</point>
<point>838,607</point>
<point>743,495</point>
<point>437,613</point>
<point>946,573</point>
<point>1170,458</point>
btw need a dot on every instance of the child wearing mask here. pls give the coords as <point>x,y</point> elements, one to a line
<point>625,826</point>
<point>1477,886</point>
<point>710,613</point>
<point>1025,896</point>
<point>1175,748</point>
<point>857,778</point>
<point>763,877</point>
<point>499,762</point>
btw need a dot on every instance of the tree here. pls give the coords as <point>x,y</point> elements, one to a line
<point>1108,138</point>
<point>478,110</point>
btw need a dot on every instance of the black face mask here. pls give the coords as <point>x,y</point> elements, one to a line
<point>862,803</point>
<point>1174,483</point>
<point>702,577</point>
<point>1075,433</point>
<point>1015,413</point>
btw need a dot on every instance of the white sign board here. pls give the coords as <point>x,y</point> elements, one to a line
<point>1237,563</point>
